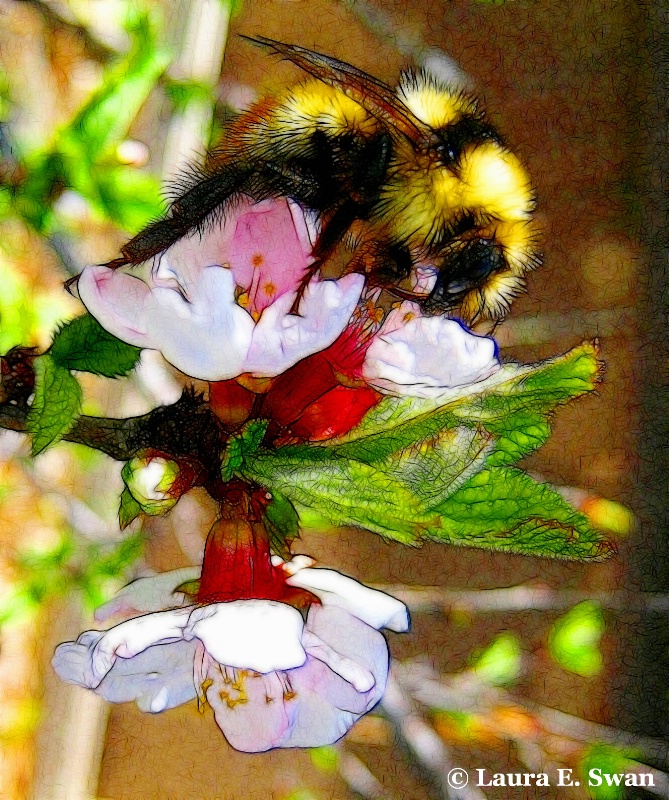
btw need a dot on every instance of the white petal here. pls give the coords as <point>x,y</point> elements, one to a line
<point>294,565</point>
<point>72,660</point>
<point>425,356</point>
<point>118,301</point>
<point>158,678</point>
<point>375,608</point>
<point>281,339</point>
<point>260,635</point>
<point>207,337</point>
<point>358,676</point>
<point>132,637</point>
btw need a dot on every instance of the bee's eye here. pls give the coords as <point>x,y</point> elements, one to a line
<point>464,270</point>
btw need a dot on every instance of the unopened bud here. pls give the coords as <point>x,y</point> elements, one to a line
<point>151,481</point>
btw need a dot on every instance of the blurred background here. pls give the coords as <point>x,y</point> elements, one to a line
<point>512,663</point>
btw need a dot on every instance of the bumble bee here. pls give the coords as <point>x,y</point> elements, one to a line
<point>416,181</point>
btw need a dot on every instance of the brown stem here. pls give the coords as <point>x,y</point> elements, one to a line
<point>186,430</point>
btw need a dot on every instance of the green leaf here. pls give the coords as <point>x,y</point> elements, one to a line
<point>574,640</point>
<point>240,446</point>
<point>436,468</point>
<point>501,662</point>
<point>502,508</point>
<point>420,495</point>
<point>83,344</point>
<point>108,114</point>
<point>416,469</point>
<point>394,497</point>
<point>513,405</point>
<point>282,523</point>
<point>344,491</point>
<point>56,406</point>
<point>129,509</point>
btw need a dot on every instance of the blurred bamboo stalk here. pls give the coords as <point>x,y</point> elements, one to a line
<point>57,16</point>
<point>71,740</point>
<point>71,737</point>
<point>205,37</point>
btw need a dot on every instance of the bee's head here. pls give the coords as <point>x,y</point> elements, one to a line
<point>479,276</point>
<point>482,236</point>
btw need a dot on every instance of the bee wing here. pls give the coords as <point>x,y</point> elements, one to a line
<point>369,92</point>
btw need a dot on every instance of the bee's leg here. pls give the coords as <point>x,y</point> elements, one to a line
<point>186,213</point>
<point>335,229</point>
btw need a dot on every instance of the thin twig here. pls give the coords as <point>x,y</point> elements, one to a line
<point>525,597</point>
<point>359,778</point>
<point>467,693</point>
<point>424,743</point>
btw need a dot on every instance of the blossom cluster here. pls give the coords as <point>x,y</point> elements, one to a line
<point>286,654</point>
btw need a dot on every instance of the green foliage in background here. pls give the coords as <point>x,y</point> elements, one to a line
<point>501,662</point>
<point>92,570</point>
<point>574,639</point>
<point>81,155</point>
<point>81,158</point>
<point>613,762</point>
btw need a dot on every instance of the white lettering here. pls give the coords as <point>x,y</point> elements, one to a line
<point>595,777</point>
<point>620,778</point>
<point>481,780</point>
<point>564,777</point>
<point>514,778</point>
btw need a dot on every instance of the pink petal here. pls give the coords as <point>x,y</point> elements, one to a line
<point>270,252</point>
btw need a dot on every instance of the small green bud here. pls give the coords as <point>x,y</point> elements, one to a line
<point>151,481</point>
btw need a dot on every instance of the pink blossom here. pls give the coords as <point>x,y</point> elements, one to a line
<point>272,679</point>
<point>218,303</point>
